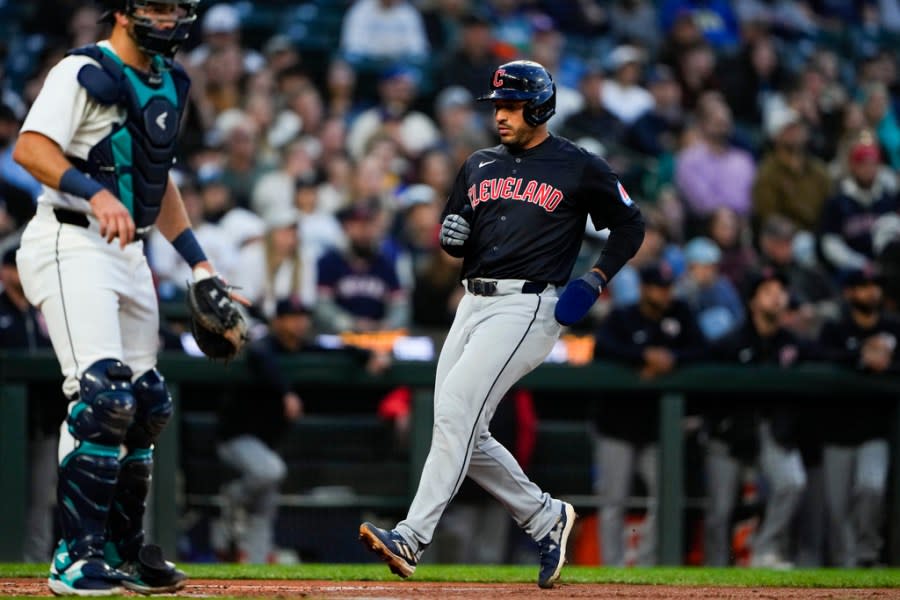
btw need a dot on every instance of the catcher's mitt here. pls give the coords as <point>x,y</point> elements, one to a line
<point>216,322</point>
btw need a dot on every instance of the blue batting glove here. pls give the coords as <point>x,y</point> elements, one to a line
<point>578,298</point>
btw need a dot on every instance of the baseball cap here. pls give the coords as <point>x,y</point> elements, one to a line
<point>866,148</point>
<point>361,211</point>
<point>780,119</point>
<point>278,217</point>
<point>452,97</point>
<point>702,251</point>
<point>416,194</point>
<point>221,18</point>
<point>657,273</point>
<point>757,278</point>
<point>624,54</point>
<point>291,305</point>
<point>855,277</point>
<point>778,227</point>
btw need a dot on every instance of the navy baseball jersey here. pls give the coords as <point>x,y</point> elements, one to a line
<point>530,209</point>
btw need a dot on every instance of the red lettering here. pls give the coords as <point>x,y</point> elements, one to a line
<point>515,194</point>
<point>471,193</point>
<point>528,194</point>
<point>507,187</point>
<point>484,193</point>
<point>496,188</point>
<point>543,194</point>
<point>555,198</point>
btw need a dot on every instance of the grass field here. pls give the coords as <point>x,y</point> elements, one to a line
<point>686,576</point>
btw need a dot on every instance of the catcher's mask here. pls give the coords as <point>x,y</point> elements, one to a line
<point>151,38</point>
<point>525,80</point>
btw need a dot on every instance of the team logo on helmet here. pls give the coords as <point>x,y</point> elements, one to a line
<point>498,77</point>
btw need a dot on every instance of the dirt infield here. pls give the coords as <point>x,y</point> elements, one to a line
<point>314,590</point>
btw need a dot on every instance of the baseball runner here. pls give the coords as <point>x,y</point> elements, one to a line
<point>516,215</point>
<point>101,138</point>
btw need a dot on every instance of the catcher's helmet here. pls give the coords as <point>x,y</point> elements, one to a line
<point>525,80</point>
<point>150,39</point>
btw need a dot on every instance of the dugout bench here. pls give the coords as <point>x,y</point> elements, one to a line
<point>807,382</point>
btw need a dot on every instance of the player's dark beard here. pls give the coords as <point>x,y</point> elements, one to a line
<point>866,307</point>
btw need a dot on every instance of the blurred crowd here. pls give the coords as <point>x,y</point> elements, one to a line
<point>760,138</point>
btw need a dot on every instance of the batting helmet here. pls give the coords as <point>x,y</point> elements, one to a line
<point>525,80</point>
<point>151,39</point>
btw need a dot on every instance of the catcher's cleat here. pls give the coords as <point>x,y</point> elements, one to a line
<point>152,574</point>
<point>390,547</point>
<point>553,547</point>
<point>83,577</point>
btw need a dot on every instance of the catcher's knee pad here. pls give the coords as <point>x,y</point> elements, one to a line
<point>98,421</point>
<point>106,405</point>
<point>154,409</point>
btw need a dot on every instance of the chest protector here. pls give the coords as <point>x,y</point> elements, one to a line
<point>133,161</point>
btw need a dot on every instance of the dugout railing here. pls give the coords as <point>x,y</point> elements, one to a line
<point>807,382</point>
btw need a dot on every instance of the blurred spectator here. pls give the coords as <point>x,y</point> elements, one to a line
<point>250,431</point>
<point>715,19</point>
<point>169,268</point>
<point>18,188</point>
<point>696,71</point>
<point>319,229</point>
<point>856,454</point>
<point>635,20</point>
<point>761,340</point>
<point>656,335</point>
<point>656,132</point>
<point>790,182</point>
<point>712,172</point>
<point>340,87</point>
<point>594,120</point>
<point>242,167</point>
<point>656,247</point>
<point>383,30</point>
<point>474,59</point>
<point>22,328</point>
<point>853,125</point>
<point>548,48</point>
<point>412,130</point>
<point>335,192</point>
<point>512,25</point>
<point>623,95</point>
<point>275,189</point>
<point>221,31</point>
<point>358,288</point>
<point>276,265</point>
<point>711,297</point>
<point>880,116</point>
<point>868,192</point>
<point>731,235</point>
<point>454,110</point>
<point>750,78</point>
<point>280,53</point>
<point>436,292</point>
<point>811,292</point>
<point>416,232</point>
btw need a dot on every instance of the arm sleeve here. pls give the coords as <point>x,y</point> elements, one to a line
<point>61,104</point>
<point>455,203</point>
<point>610,206</point>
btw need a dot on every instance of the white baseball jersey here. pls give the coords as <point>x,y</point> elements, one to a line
<point>97,298</point>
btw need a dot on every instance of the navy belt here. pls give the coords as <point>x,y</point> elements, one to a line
<point>484,287</point>
<point>79,219</point>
